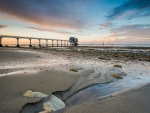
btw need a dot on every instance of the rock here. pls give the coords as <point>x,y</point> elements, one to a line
<point>104,58</point>
<point>54,104</point>
<point>46,105</point>
<point>111,95</point>
<point>126,55</point>
<point>100,58</point>
<point>29,93</point>
<point>43,112</point>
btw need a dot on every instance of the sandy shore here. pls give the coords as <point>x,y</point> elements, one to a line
<point>13,85</point>
<point>48,71</point>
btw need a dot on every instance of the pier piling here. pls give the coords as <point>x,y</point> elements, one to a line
<point>39,42</point>
<point>47,43</point>
<point>1,42</point>
<point>18,42</point>
<point>52,43</point>
<point>57,42</point>
<point>30,43</point>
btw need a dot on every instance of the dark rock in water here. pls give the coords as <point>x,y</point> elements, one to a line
<point>46,105</point>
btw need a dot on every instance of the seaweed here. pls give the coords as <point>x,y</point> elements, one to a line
<point>74,69</point>
<point>117,76</point>
<point>117,65</point>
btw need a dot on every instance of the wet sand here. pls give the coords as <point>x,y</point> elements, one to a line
<point>48,71</point>
<point>133,101</point>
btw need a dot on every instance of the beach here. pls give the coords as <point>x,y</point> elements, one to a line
<point>47,71</point>
<point>27,76</point>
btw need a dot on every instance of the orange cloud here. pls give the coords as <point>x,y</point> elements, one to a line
<point>48,14</point>
<point>55,31</point>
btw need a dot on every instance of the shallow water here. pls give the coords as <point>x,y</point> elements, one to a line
<point>138,73</point>
<point>86,80</point>
<point>97,91</point>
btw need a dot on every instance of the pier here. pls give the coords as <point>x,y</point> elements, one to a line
<point>31,38</point>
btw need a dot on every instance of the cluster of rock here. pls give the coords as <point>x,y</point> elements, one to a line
<point>48,104</point>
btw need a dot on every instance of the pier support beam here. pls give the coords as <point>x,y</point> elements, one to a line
<point>57,42</point>
<point>61,42</point>
<point>18,42</point>
<point>64,43</point>
<point>1,42</point>
<point>30,43</point>
<point>39,42</point>
<point>47,43</point>
<point>52,42</point>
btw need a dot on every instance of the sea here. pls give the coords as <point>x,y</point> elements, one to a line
<point>88,45</point>
<point>117,45</point>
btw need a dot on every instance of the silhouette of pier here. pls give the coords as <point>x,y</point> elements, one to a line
<point>31,38</point>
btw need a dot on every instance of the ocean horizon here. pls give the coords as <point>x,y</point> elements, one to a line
<point>118,45</point>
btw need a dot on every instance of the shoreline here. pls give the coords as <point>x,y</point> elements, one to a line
<point>123,53</point>
<point>66,60</point>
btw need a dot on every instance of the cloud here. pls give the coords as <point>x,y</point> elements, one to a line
<point>106,24</point>
<point>53,30</point>
<point>2,26</point>
<point>130,9</point>
<point>130,33</point>
<point>46,13</point>
<point>132,27</point>
<point>35,28</point>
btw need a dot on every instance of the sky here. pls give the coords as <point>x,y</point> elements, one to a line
<point>91,21</point>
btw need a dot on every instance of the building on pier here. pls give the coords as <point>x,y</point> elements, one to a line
<point>73,41</point>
